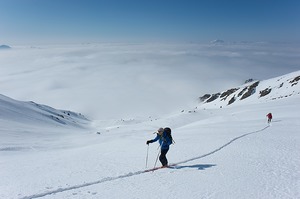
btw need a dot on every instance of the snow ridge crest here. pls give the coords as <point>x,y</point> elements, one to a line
<point>255,92</point>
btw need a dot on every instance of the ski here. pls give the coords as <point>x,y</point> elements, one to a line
<point>154,169</point>
<point>161,167</point>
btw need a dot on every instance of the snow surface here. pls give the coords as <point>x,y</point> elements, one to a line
<point>280,87</point>
<point>220,153</point>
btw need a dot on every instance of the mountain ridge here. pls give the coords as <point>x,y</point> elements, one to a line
<point>255,91</point>
<point>4,47</point>
<point>38,114</point>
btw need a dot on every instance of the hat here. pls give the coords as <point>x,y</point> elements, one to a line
<point>160,130</point>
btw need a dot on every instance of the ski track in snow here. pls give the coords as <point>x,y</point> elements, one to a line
<point>107,179</point>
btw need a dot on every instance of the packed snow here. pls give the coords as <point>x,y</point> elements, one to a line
<point>229,152</point>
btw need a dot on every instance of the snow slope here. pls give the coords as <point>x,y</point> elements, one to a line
<point>33,113</point>
<point>221,153</point>
<point>24,125</point>
<point>262,91</point>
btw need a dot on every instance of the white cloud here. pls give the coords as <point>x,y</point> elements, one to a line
<point>119,80</point>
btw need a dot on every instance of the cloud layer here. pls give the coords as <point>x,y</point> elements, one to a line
<point>116,80</point>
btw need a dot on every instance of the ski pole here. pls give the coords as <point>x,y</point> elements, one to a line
<point>147,156</point>
<point>157,158</point>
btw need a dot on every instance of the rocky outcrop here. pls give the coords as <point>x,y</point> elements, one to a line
<point>213,97</point>
<point>225,94</point>
<point>275,88</point>
<point>295,81</point>
<point>251,90</point>
<point>265,92</point>
<point>231,100</point>
<point>204,97</point>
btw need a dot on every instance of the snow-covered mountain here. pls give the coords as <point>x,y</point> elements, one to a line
<point>31,113</point>
<point>4,47</point>
<point>220,152</point>
<point>217,41</point>
<point>255,91</point>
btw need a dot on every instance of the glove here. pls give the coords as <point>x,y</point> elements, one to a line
<point>149,141</point>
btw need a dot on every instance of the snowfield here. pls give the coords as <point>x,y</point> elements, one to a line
<point>228,152</point>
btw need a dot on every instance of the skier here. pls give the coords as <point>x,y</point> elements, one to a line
<point>165,139</point>
<point>269,116</point>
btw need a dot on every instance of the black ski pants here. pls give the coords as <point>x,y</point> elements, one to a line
<point>163,158</point>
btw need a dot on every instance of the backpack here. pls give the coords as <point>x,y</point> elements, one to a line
<point>168,133</point>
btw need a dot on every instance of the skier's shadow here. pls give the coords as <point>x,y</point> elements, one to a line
<point>197,166</point>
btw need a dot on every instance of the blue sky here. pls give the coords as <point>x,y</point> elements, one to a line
<point>65,21</point>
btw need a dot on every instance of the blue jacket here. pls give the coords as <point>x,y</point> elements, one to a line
<point>164,140</point>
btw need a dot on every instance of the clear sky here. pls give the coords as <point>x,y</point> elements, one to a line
<point>56,21</point>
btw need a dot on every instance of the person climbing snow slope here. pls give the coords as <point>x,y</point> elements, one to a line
<point>165,140</point>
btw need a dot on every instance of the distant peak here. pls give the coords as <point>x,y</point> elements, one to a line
<point>4,47</point>
<point>217,41</point>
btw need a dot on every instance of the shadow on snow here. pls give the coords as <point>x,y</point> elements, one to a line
<point>197,166</point>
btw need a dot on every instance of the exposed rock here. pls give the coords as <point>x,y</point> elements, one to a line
<point>225,94</point>
<point>231,100</point>
<point>204,97</point>
<point>251,90</point>
<point>295,81</point>
<point>249,80</point>
<point>280,85</point>
<point>213,97</point>
<point>242,92</point>
<point>265,92</point>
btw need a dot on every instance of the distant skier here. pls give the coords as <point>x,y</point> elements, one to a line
<point>165,139</point>
<point>269,116</point>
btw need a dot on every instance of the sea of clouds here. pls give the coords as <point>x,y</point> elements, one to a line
<point>124,80</point>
